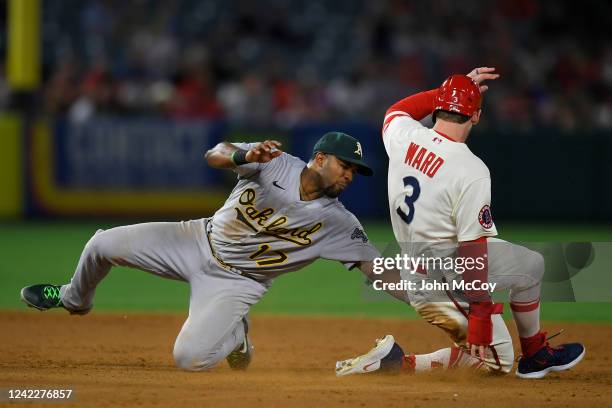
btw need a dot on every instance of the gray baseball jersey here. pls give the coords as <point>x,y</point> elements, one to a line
<point>264,229</point>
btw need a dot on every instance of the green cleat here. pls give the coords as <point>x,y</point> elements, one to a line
<point>42,297</point>
<point>240,358</point>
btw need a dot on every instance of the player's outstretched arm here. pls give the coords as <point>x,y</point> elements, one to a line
<point>388,276</point>
<point>227,156</point>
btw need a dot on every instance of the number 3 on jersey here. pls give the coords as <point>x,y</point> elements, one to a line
<point>409,200</point>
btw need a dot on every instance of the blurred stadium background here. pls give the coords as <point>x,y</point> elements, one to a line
<point>107,106</point>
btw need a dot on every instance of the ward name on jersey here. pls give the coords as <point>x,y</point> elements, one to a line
<point>423,160</point>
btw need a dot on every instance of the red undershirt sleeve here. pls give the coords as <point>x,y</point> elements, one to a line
<point>417,106</point>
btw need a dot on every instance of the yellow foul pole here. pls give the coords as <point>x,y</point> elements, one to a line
<point>24,39</point>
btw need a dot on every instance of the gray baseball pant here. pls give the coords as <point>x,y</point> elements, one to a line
<point>219,298</point>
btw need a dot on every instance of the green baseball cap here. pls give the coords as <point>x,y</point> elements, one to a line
<point>344,147</point>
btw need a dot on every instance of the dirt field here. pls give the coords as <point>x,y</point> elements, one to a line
<point>126,360</point>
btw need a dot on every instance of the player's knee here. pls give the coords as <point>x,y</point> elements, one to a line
<point>189,360</point>
<point>536,265</point>
<point>100,244</point>
<point>447,317</point>
<point>186,361</point>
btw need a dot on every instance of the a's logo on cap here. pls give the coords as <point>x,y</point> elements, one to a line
<point>358,151</point>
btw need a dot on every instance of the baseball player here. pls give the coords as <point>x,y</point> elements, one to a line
<point>282,215</point>
<point>440,202</point>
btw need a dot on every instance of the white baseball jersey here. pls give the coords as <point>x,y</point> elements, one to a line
<point>439,191</point>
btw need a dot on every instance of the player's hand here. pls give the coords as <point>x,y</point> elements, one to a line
<point>477,351</point>
<point>264,152</point>
<point>480,326</point>
<point>481,74</point>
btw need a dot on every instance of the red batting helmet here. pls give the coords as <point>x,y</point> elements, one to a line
<point>458,94</point>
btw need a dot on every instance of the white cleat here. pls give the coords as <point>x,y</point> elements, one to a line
<point>385,356</point>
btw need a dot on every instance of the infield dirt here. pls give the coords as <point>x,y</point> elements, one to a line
<point>126,360</point>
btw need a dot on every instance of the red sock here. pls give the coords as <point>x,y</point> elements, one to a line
<point>409,363</point>
<point>531,345</point>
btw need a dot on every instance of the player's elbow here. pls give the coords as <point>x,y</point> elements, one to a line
<point>209,154</point>
<point>219,156</point>
<point>213,156</point>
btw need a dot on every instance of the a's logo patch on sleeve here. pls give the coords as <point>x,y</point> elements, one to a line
<point>359,234</point>
<point>484,217</point>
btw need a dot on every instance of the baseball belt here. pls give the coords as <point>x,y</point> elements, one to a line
<point>220,261</point>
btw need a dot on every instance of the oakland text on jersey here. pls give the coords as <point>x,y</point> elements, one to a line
<point>426,162</point>
<point>296,235</point>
